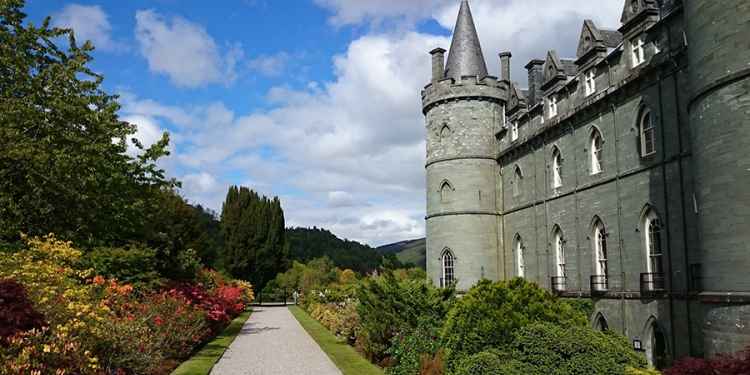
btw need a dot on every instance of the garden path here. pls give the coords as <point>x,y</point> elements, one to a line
<point>272,342</point>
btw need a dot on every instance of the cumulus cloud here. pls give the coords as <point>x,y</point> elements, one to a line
<point>184,51</point>
<point>357,11</point>
<point>148,132</point>
<point>88,23</point>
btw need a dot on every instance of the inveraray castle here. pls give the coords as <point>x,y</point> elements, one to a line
<point>621,174</point>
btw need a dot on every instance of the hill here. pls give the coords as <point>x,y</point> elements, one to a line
<point>306,244</point>
<point>411,251</point>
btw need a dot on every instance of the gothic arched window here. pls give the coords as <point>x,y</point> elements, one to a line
<point>596,151</point>
<point>517,182</point>
<point>556,168</point>
<point>652,233</point>
<point>559,253</point>
<point>647,132</point>
<point>599,244</point>
<point>449,268</point>
<point>520,261</point>
<point>446,192</point>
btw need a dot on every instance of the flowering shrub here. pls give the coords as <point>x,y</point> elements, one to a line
<point>720,365</point>
<point>68,322</point>
<point>16,312</point>
<point>340,318</point>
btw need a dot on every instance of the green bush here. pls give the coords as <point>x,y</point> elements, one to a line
<point>546,348</point>
<point>408,347</point>
<point>491,362</point>
<point>136,266</point>
<point>490,313</point>
<point>388,306</point>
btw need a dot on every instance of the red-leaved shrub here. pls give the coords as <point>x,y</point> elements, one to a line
<point>738,364</point>
<point>17,314</point>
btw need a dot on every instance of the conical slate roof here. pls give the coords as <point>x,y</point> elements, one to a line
<point>465,58</point>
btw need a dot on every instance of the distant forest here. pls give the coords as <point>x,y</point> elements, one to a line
<point>306,244</point>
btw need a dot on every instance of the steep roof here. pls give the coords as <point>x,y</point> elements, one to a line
<point>465,57</point>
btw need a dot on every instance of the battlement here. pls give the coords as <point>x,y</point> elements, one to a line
<point>469,87</point>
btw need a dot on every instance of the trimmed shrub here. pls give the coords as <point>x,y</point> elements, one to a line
<point>490,313</point>
<point>136,266</point>
<point>409,348</point>
<point>546,348</point>
<point>483,363</point>
<point>387,307</point>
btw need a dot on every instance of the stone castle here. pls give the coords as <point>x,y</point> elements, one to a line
<point>620,175</point>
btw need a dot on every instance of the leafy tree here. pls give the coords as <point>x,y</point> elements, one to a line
<point>63,161</point>
<point>254,239</point>
<point>490,313</point>
<point>137,266</point>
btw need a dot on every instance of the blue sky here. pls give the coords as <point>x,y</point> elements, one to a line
<point>315,101</point>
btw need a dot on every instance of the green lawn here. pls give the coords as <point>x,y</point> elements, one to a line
<point>203,361</point>
<point>344,356</point>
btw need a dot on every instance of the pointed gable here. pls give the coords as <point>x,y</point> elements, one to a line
<point>595,42</point>
<point>589,39</point>
<point>635,11</point>
<point>517,97</point>
<point>552,66</point>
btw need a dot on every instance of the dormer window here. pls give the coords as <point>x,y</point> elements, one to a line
<point>590,82</point>
<point>514,131</point>
<point>552,106</point>
<point>637,53</point>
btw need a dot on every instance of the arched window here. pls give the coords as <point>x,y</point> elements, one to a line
<point>652,232</point>
<point>517,182</point>
<point>556,168</point>
<point>449,275</point>
<point>520,261</point>
<point>596,151</point>
<point>600,324</point>
<point>446,192</point>
<point>514,131</point>
<point>599,239</point>
<point>647,133</point>
<point>560,253</point>
<point>445,133</point>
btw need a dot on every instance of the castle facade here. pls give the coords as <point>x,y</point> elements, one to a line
<point>621,175</point>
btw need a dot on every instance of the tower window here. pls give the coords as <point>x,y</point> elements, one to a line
<point>514,131</point>
<point>637,53</point>
<point>652,238</point>
<point>449,276</point>
<point>647,133</point>
<point>520,262</point>
<point>599,240</point>
<point>596,151</point>
<point>445,133</point>
<point>590,82</point>
<point>446,192</point>
<point>556,169</point>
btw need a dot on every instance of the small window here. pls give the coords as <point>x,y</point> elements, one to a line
<point>514,131</point>
<point>560,253</point>
<point>637,54</point>
<point>446,192</point>
<point>590,82</point>
<point>552,106</point>
<point>449,275</point>
<point>556,169</point>
<point>445,133</point>
<point>647,133</point>
<point>652,238</point>
<point>517,182</point>
<point>596,151</point>
<point>599,240</point>
<point>520,262</point>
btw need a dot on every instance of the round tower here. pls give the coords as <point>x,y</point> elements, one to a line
<point>719,109</point>
<point>464,108</point>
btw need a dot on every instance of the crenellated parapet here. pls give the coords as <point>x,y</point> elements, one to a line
<point>468,88</point>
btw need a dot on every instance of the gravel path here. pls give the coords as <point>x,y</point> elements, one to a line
<point>272,342</point>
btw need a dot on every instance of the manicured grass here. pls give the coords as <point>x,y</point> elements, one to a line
<point>203,361</point>
<point>343,356</point>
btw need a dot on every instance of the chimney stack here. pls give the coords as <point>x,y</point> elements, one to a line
<point>535,68</point>
<point>438,64</point>
<point>505,66</point>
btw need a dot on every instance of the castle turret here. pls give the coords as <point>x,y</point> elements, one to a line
<point>463,111</point>
<point>719,109</point>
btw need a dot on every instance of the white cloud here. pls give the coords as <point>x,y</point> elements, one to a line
<point>148,132</point>
<point>352,150</point>
<point>270,65</point>
<point>88,23</point>
<point>184,51</point>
